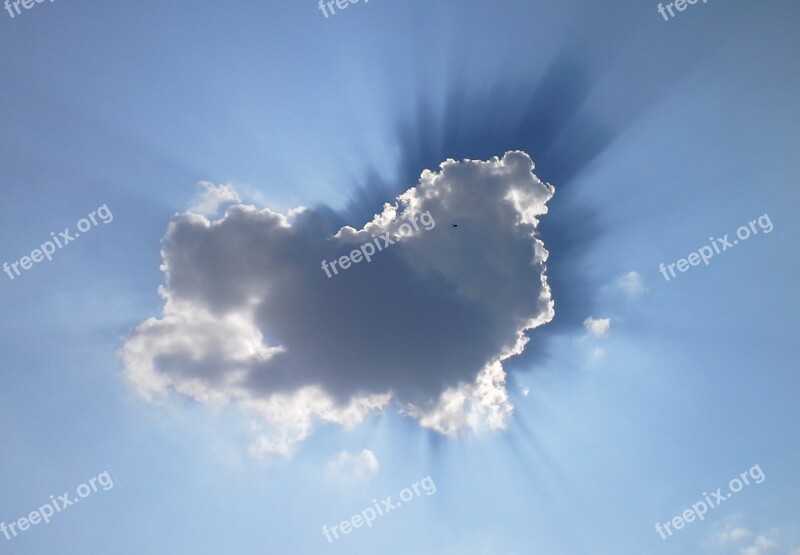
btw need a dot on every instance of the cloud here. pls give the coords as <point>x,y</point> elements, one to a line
<point>761,545</point>
<point>251,319</point>
<point>631,284</point>
<point>735,535</point>
<point>732,534</point>
<point>597,327</point>
<point>480,405</point>
<point>213,196</point>
<point>354,467</point>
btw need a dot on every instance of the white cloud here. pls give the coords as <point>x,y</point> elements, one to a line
<point>288,418</point>
<point>477,406</point>
<point>631,284</point>
<point>251,320</point>
<point>761,545</point>
<point>597,327</point>
<point>354,467</point>
<point>732,534</point>
<point>213,196</point>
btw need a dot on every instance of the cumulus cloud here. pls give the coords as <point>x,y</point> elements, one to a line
<point>597,327</point>
<point>354,467</point>
<point>251,319</point>
<point>212,197</point>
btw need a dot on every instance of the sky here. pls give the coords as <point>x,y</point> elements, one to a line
<point>428,277</point>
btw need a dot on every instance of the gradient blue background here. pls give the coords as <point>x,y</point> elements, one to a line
<point>656,135</point>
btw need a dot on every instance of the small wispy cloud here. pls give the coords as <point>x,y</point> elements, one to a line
<point>598,353</point>
<point>354,467</point>
<point>597,327</point>
<point>631,284</point>
<point>761,545</point>
<point>732,534</point>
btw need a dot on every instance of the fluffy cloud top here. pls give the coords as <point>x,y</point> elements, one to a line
<point>212,197</point>
<point>251,319</point>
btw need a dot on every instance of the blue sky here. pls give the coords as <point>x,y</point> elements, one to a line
<point>656,135</point>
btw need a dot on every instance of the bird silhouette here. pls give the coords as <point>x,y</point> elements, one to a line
<point>454,225</point>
